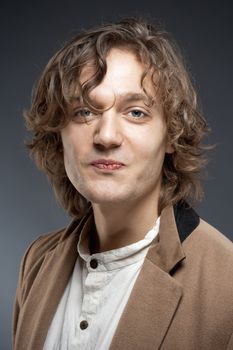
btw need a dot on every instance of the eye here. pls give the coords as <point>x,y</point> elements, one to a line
<point>137,114</point>
<point>82,115</point>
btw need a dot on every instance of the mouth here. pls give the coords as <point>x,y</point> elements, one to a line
<point>107,164</point>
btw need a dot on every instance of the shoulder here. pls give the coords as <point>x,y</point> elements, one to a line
<point>45,243</point>
<point>39,247</point>
<point>209,254</point>
<point>207,238</point>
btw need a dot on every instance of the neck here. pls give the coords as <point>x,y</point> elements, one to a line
<point>118,225</point>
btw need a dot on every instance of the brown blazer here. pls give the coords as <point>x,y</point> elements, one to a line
<point>182,299</point>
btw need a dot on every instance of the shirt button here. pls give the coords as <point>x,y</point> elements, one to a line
<point>94,263</point>
<point>83,324</point>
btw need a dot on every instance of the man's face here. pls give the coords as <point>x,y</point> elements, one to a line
<point>116,156</point>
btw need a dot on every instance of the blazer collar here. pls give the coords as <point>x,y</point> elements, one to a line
<point>156,294</point>
<point>176,224</point>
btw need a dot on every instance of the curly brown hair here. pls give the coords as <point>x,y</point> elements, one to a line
<point>59,84</point>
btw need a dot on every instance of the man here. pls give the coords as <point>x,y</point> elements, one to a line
<point>117,130</point>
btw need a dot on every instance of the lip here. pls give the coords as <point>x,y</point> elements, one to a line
<point>107,164</point>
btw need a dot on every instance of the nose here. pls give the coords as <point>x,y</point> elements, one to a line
<point>108,133</point>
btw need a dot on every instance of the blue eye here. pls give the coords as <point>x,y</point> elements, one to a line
<point>84,113</point>
<point>137,114</point>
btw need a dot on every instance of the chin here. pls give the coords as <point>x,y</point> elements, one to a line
<point>104,197</point>
<point>106,192</point>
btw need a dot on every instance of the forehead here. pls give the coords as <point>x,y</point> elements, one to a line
<point>119,62</point>
<point>124,73</point>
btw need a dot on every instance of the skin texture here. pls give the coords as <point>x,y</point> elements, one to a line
<point>124,196</point>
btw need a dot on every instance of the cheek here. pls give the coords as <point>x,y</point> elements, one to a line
<point>76,151</point>
<point>152,148</point>
<point>69,165</point>
<point>72,166</point>
<point>71,141</point>
<point>70,154</point>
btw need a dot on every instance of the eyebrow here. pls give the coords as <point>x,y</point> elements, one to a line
<point>132,96</point>
<point>127,97</point>
<point>135,97</point>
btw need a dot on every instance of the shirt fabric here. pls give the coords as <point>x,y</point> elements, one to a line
<point>95,297</point>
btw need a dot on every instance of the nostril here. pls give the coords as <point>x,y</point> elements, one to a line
<point>107,137</point>
<point>100,147</point>
<point>105,146</point>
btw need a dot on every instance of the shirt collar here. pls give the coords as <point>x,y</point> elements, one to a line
<point>115,258</point>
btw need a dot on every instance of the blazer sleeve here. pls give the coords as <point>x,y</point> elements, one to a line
<point>25,265</point>
<point>230,343</point>
<point>29,268</point>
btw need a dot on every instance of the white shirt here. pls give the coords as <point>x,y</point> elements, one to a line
<point>95,297</point>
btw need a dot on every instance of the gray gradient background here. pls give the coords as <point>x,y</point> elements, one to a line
<point>30,33</point>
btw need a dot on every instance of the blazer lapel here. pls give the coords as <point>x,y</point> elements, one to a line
<point>45,293</point>
<point>156,295</point>
<point>41,305</point>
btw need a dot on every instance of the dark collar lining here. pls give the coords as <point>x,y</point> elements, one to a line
<point>186,219</point>
<point>185,216</point>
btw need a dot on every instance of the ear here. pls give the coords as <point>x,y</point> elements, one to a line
<point>169,148</point>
